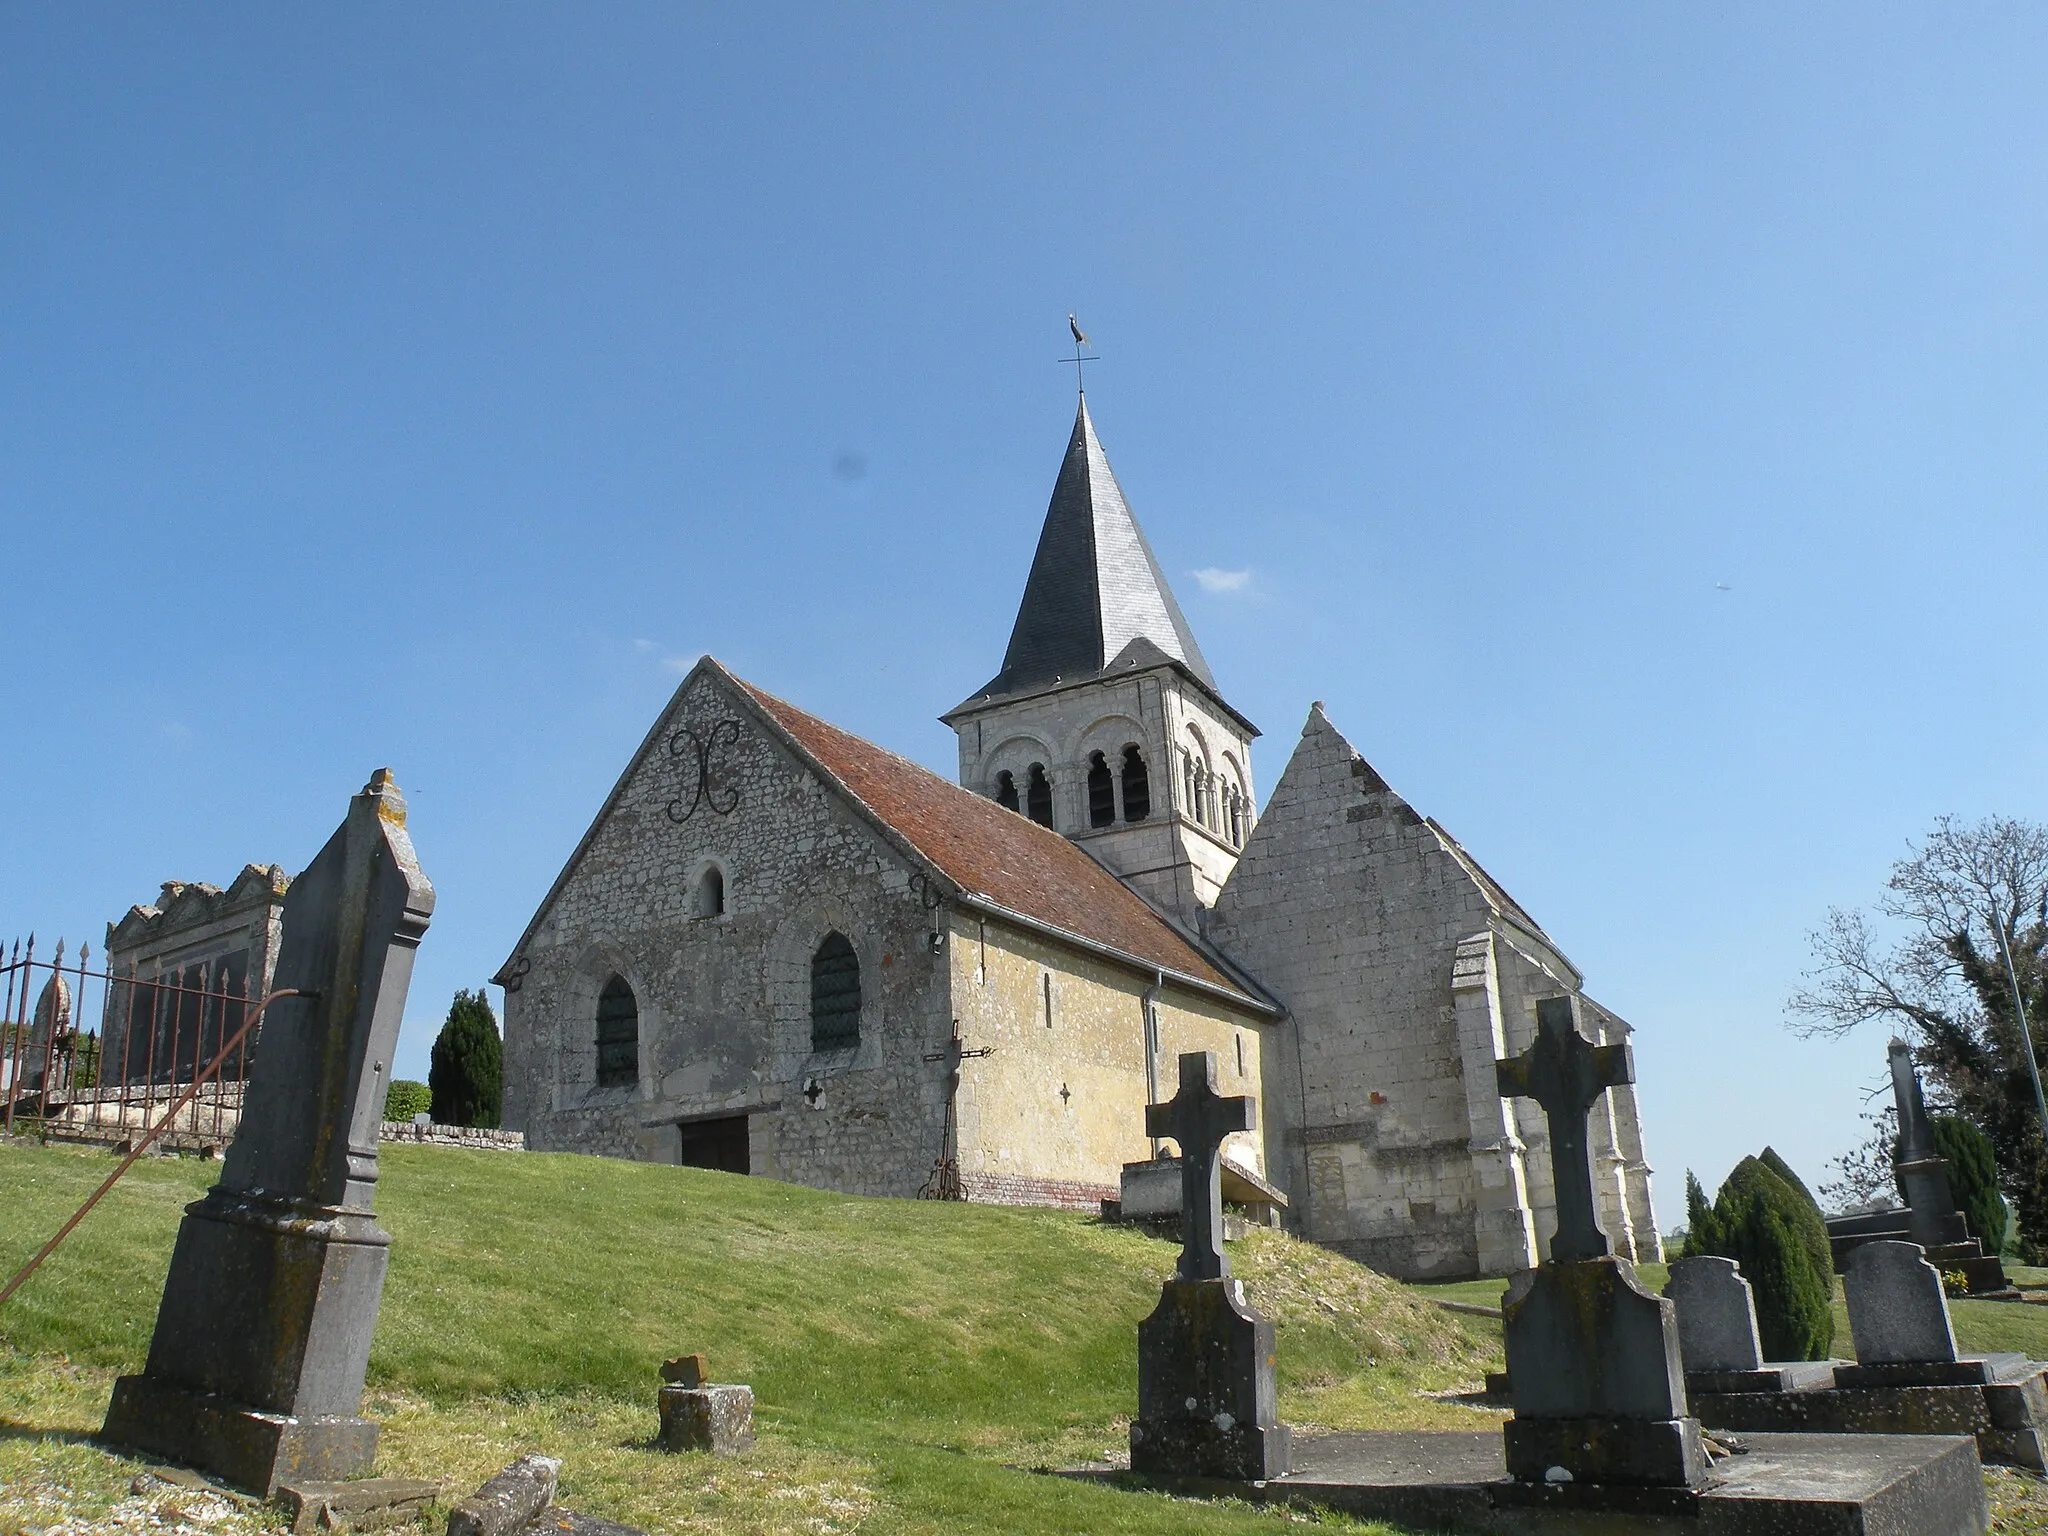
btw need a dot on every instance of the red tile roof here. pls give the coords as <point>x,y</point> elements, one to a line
<point>994,853</point>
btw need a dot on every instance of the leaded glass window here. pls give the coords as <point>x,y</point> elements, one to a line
<point>618,1035</point>
<point>835,994</point>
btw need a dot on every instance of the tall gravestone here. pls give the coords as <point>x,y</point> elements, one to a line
<point>1594,1357</point>
<point>1206,1396</point>
<point>256,1368</point>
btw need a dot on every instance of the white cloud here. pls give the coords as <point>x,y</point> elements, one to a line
<point>1214,580</point>
<point>679,663</point>
<point>643,645</point>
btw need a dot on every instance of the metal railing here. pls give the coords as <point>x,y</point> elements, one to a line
<point>144,1072</point>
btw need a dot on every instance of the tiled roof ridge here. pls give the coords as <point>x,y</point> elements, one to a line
<point>1190,961</point>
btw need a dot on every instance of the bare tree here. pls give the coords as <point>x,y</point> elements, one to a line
<point>1943,985</point>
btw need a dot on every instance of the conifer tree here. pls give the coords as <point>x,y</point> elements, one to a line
<point>467,1076</point>
<point>1972,1178</point>
<point>1810,1226</point>
<point>1758,1219</point>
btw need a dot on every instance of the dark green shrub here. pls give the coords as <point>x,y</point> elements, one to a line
<point>406,1098</point>
<point>1811,1227</point>
<point>1972,1178</point>
<point>1761,1221</point>
<point>467,1075</point>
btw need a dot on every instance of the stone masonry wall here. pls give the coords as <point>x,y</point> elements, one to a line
<point>1405,980</point>
<point>1175,858</point>
<point>724,1001</point>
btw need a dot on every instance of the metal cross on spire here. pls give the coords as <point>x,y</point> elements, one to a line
<point>1198,1118</point>
<point>1566,1073</point>
<point>1080,341</point>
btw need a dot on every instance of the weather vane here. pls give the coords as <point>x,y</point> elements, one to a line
<point>1080,341</point>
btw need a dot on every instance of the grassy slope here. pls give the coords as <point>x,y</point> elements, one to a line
<point>904,1355</point>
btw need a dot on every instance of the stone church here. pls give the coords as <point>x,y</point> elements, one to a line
<point>782,950</point>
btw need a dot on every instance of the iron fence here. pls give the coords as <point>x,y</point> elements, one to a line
<point>157,1032</point>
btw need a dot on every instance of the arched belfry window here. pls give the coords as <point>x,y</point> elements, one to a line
<point>835,994</point>
<point>1190,787</point>
<point>1038,796</point>
<point>709,900</point>
<point>1101,792</point>
<point>1137,785</point>
<point>618,1035</point>
<point>1006,790</point>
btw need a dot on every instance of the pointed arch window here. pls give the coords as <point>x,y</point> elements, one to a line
<point>709,899</point>
<point>1137,785</point>
<point>835,994</point>
<point>618,1035</point>
<point>1101,791</point>
<point>1006,790</point>
<point>1038,796</point>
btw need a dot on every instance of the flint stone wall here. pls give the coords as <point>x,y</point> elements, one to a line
<point>724,1001</point>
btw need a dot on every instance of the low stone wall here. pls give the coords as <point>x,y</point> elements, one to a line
<point>1011,1189</point>
<point>453,1136</point>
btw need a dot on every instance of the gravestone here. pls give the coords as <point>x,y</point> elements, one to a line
<point>1206,1396</point>
<point>1598,1385</point>
<point>1897,1312</point>
<point>1930,1217</point>
<point>1718,1339</point>
<point>1716,1316</point>
<point>255,1371</point>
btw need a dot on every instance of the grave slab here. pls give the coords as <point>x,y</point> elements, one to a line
<point>1778,1485</point>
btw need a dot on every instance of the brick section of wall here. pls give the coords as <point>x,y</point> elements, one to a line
<point>452,1136</point>
<point>1014,1189</point>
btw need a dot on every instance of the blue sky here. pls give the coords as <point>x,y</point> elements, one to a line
<point>1628,421</point>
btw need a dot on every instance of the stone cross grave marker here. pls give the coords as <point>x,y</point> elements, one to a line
<point>1566,1073</point>
<point>1198,1118</point>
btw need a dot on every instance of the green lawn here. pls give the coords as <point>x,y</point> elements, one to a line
<point>908,1358</point>
<point>911,1361</point>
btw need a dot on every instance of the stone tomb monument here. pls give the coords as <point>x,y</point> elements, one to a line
<point>255,1371</point>
<point>1205,1360</point>
<point>1908,1377</point>
<point>1930,1217</point>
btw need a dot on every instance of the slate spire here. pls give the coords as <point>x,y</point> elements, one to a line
<point>1095,588</point>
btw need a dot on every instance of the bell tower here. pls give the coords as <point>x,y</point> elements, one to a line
<point>1105,723</point>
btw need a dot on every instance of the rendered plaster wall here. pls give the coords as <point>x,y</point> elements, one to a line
<point>1177,856</point>
<point>1060,1018</point>
<point>724,1001</point>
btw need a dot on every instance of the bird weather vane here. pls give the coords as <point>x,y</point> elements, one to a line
<point>1080,341</point>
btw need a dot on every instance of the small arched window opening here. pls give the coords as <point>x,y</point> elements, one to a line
<point>618,1035</point>
<point>710,896</point>
<point>835,994</point>
<point>1188,784</point>
<point>1006,790</point>
<point>1236,817</point>
<point>1137,785</point>
<point>1038,796</point>
<point>1101,791</point>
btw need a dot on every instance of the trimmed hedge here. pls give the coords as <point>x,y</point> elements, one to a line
<point>406,1098</point>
